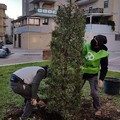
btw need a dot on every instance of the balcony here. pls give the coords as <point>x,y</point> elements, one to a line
<point>94,10</point>
<point>28,28</point>
<point>3,6</point>
<point>85,2</point>
<point>37,1</point>
<point>44,12</point>
<point>93,28</point>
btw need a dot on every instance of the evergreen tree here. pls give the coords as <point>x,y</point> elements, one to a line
<point>64,91</point>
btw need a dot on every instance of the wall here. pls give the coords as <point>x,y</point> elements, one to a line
<point>25,40</point>
<point>98,28</point>
<point>39,40</point>
<point>34,40</point>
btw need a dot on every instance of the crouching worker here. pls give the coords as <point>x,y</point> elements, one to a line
<point>25,82</point>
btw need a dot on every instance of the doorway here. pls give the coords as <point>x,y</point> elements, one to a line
<point>19,40</point>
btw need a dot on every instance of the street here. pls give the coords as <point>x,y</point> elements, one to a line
<point>114,61</point>
<point>19,56</point>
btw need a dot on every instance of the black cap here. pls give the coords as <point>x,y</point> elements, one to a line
<point>98,43</point>
<point>101,39</point>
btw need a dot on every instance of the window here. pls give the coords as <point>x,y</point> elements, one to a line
<point>37,21</point>
<point>106,3</point>
<point>117,37</point>
<point>17,24</point>
<point>45,21</point>
<point>33,21</point>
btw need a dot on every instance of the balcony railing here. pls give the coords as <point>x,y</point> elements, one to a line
<point>94,10</point>
<point>36,1</point>
<point>29,28</point>
<point>40,12</point>
<point>46,11</point>
<point>94,28</point>
<point>84,2</point>
<point>3,6</point>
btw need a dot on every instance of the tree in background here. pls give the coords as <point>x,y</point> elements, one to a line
<point>64,91</point>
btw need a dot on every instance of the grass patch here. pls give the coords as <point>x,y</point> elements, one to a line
<point>113,74</point>
<point>7,97</point>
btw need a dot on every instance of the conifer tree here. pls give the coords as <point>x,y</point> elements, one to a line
<point>64,91</point>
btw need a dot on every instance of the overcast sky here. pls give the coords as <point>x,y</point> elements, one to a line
<point>14,8</point>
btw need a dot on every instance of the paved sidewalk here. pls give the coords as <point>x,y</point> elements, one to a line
<point>21,56</point>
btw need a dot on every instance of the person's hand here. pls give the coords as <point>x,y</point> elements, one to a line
<point>100,83</point>
<point>33,101</point>
<point>41,104</point>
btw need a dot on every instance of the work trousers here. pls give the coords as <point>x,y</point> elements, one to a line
<point>25,91</point>
<point>93,82</point>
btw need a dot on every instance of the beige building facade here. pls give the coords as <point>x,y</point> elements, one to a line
<point>102,17</point>
<point>3,7</point>
<point>33,30</point>
<point>109,9</point>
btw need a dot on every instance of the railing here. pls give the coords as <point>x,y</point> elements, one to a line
<point>84,2</point>
<point>46,11</point>
<point>3,6</point>
<point>35,1</point>
<point>94,28</point>
<point>32,1</point>
<point>94,10</point>
<point>29,28</point>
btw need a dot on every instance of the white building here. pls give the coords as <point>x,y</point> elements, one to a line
<point>33,30</point>
<point>99,14</point>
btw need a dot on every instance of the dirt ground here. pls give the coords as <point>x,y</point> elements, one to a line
<point>109,112</point>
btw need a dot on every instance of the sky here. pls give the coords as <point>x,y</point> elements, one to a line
<point>14,8</point>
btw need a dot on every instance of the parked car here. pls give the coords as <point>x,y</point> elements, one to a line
<point>4,51</point>
<point>1,44</point>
